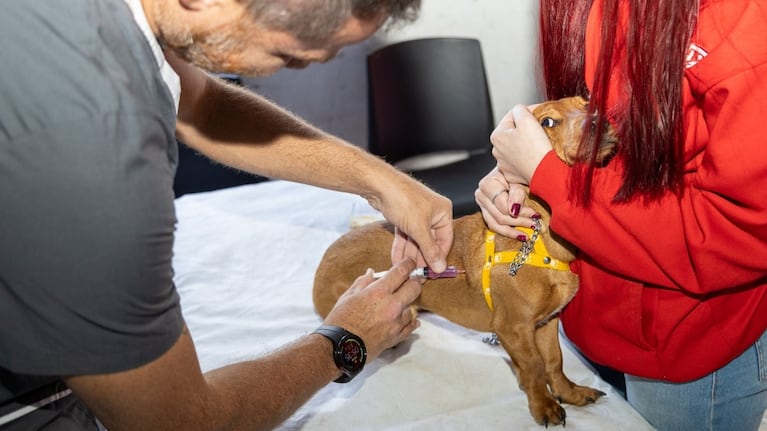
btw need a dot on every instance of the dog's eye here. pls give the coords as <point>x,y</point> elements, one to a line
<point>548,122</point>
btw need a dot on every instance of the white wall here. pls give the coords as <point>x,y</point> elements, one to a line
<point>333,96</point>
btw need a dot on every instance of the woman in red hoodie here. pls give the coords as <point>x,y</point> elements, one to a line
<point>673,231</point>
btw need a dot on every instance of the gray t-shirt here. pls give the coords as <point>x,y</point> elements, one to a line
<point>87,159</point>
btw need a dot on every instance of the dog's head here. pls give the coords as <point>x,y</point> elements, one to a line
<point>564,121</point>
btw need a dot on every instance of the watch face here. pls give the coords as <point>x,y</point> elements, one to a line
<point>353,354</point>
<point>349,352</point>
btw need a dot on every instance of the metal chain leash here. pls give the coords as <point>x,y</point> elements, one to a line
<point>525,250</point>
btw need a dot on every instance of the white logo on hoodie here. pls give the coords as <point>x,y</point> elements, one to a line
<point>694,55</point>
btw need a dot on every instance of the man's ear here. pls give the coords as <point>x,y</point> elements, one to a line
<point>198,4</point>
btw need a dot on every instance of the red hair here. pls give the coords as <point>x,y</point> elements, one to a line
<point>649,124</point>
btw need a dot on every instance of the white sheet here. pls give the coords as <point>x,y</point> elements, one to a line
<point>245,259</point>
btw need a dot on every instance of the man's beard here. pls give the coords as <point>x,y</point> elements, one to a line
<point>212,53</point>
<point>216,52</point>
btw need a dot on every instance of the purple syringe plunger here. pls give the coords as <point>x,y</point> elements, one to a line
<point>449,272</point>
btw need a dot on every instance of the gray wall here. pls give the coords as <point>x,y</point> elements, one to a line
<point>333,96</point>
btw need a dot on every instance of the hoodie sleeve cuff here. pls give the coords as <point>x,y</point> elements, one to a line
<point>551,179</point>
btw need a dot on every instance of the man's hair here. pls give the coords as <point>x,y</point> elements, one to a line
<point>317,20</point>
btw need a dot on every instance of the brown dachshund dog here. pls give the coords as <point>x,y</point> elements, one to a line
<point>510,288</point>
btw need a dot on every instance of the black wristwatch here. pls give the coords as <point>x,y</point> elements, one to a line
<point>349,351</point>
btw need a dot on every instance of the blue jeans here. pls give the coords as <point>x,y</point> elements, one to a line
<point>732,398</point>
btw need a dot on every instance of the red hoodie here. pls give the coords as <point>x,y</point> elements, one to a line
<point>677,288</point>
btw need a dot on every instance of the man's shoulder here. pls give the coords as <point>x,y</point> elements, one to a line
<point>74,59</point>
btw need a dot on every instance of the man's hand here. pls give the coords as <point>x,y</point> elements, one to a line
<point>423,221</point>
<point>379,311</point>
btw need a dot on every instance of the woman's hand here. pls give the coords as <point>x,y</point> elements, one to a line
<point>519,145</point>
<point>502,205</point>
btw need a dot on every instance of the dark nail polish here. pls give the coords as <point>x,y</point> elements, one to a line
<point>522,238</point>
<point>515,210</point>
<point>535,216</point>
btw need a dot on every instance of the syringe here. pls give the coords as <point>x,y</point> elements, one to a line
<point>449,272</point>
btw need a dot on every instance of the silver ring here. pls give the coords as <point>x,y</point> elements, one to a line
<point>492,199</point>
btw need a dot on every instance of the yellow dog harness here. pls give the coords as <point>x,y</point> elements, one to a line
<point>532,252</point>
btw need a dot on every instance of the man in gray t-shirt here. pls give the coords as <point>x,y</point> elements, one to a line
<point>86,230</point>
<point>94,94</point>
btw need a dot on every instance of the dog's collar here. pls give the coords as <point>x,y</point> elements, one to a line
<point>533,252</point>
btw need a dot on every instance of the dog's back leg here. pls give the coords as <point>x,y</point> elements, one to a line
<point>547,341</point>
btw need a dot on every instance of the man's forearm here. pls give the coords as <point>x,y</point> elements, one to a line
<point>171,392</point>
<point>262,393</point>
<point>243,130</point>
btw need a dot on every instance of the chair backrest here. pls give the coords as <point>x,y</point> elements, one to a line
<point>428,95</point>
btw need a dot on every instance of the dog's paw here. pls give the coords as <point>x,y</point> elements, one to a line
<point>548,412</point>
<point>579,395</point>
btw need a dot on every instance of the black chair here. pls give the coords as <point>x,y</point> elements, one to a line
<point>430,114</point>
